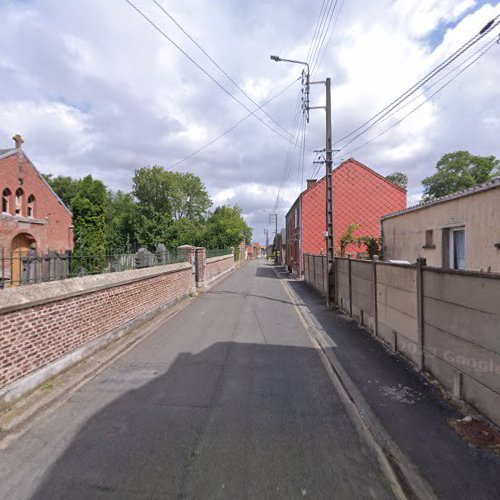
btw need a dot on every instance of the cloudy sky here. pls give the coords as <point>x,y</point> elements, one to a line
<point>94,88</point>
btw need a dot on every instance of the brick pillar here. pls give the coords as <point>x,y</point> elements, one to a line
<point>201,264</point>
<point>189,253</point>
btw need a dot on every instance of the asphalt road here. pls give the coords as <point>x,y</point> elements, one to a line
<point>228,399</point>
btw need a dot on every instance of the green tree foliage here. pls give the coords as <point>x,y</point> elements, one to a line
<point>399,179</point>
<point>348,238</point>
<point>164,207</point>
<point>64,186</point>
<point>227,228</point>
<point>89,219</point>
<point>457,171</point>
<point>176,195</point>
<point>121,220</point>
<point>186,231</point>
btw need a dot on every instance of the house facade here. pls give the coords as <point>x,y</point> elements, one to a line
<point>32,216</point>
<point>360,196</point>
<point>458,231</point>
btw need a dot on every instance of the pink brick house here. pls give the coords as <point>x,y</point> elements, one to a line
<point>360,196</point>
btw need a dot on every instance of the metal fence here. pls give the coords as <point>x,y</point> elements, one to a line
<point>218,252</point>
<point>26,267</point>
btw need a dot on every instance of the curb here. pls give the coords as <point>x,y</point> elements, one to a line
<point>402,474</point>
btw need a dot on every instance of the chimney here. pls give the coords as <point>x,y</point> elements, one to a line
<point>18,140</point>
<point>310,183</point>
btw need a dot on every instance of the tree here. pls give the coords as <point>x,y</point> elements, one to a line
<point>121,219</point>
<point>399,179</point>
<point>348,238</point>
<point>175,195</point>
<point>64,186</point>
<point>89,222</point>
<point>186,232</point>
<point>457,171</point>
<point>227,228</point>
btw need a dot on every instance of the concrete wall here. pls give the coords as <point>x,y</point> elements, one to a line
<point>445,322</point>
<point>315,272</point>
<point>404,235</point>
<point>462,335</point>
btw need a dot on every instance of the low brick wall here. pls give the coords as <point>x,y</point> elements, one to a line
<point>216,267</point>
<point>46,327</point>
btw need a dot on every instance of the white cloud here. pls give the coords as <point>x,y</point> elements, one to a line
<point>94,89</point>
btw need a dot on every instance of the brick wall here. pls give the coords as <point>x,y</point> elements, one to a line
<point>360,196</point>
<point>217,266</point>
<point>41,323</point>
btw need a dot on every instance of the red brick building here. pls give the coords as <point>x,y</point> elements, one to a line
<point>32,216</point>
<point>360,196</point>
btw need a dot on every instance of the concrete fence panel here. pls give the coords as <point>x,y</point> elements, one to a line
<point>462,335</point>
<point>363,300</point>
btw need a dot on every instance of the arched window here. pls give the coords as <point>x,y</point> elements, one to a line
<point>30,207</point>
<point>6,200</point>
<point>19,201</point>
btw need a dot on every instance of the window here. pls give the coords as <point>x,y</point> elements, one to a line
<point>19,201</point>
<point>296,218</point>
<point>30,207</point>
<point>457,248</point>
<point>6,200</point>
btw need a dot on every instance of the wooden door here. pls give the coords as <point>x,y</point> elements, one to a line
<point>20,247</point>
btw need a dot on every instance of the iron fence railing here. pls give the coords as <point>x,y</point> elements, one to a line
<point>218,252</point>
<point>27,267</point>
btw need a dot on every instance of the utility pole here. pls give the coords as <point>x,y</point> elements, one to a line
<point>330,253</point>
<point>274,218</point>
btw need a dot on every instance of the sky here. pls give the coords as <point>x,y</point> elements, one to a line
<point>94,88</point>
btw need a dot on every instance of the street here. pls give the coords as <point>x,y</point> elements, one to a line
<point>228,399</point>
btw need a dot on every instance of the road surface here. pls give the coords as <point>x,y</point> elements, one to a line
<point>228,399</point>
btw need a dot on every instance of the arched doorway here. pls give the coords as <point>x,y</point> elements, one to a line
<point>21,244</point>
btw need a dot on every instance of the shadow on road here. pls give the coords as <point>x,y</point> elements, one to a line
<point>233,421</point>
<point>411,409</point>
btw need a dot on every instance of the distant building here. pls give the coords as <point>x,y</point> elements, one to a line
<point>360,196</point>
<point>32,216</point>
<point>458,231</point>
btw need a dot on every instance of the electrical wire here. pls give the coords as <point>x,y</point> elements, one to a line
<point>203,70</point>
<point>362,129</point>
<point>211,59</point>
<point>237,124</point>
<point>490,45</point>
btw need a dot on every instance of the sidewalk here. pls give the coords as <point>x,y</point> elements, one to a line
<point>411,409</point>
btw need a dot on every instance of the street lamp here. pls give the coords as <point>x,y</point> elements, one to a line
<point>328,163</point>
<point>305,99</point>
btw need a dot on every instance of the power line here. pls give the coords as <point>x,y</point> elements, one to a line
<point>239,122</point>
<point>362,129</point>
<point>157,28</point>
<point>448,82</point>
<point>216,64</point>
<point>339,11</point>
<point>329,22</point>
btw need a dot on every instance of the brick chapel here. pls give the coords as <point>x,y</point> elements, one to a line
<point>32,216</point>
